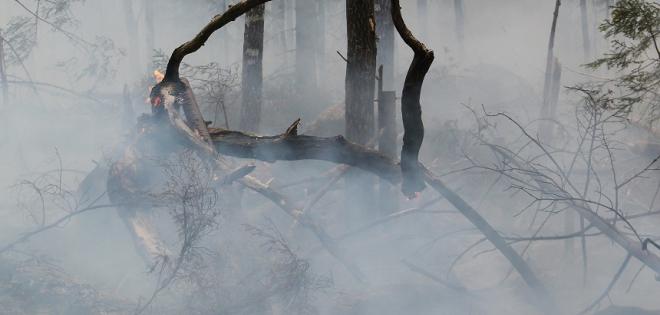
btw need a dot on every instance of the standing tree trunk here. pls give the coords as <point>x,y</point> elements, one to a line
<point>586,41</point>
<point>385,33</point>
<point>305,80</point>
<point>360,81</point>
<point>251,85</point>
<point>547,83</point>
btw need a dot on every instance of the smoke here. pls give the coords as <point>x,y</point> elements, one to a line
<point>227,248</point>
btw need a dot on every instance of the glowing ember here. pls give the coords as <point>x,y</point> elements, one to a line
<point>159,76</point>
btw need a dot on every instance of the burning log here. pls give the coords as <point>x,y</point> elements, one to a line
<point>169,94</point>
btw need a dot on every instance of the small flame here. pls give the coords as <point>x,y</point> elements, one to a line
<point>159,76</point>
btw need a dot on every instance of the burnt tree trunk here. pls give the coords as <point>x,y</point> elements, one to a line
<point>305,66</point>
<point>252,80</point>
<point>385,33</point>
<point>549,110</point>
<point>360,86</point>
<point>549,65</point>
<point>411,109</point>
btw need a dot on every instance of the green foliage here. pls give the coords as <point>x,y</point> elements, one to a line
<point>633,29</point>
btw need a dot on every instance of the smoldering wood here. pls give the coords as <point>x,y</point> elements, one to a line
<point>411,109</point>
<point>171,94</point>
<point>252,78</point>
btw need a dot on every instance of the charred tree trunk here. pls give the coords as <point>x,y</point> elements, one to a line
<point>549,110</point>
<point>388,200</point>
<point>547,83</point>
<point>252,80</point>
<point>360,85</point>
<point>385,33</point>
<point>306,76</point>
<point>586,41</point>
<point>411,109</point>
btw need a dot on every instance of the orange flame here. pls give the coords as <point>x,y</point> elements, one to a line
<point>159,76</point>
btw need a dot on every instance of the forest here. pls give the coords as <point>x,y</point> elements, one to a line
<point>330,157</point>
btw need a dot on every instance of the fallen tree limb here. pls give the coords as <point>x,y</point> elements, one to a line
<point>633,247</point>
<point>291,146</point>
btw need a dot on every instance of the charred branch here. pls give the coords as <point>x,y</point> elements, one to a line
<point>411,109</point>
<point>172,72</point>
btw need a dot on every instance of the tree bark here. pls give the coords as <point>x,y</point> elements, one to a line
<point>547,83</point>
<point>385,33</point>
<point>252,79</point>
<point>411,109</point>
<point>549,110</point>
<point>359,98</point>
